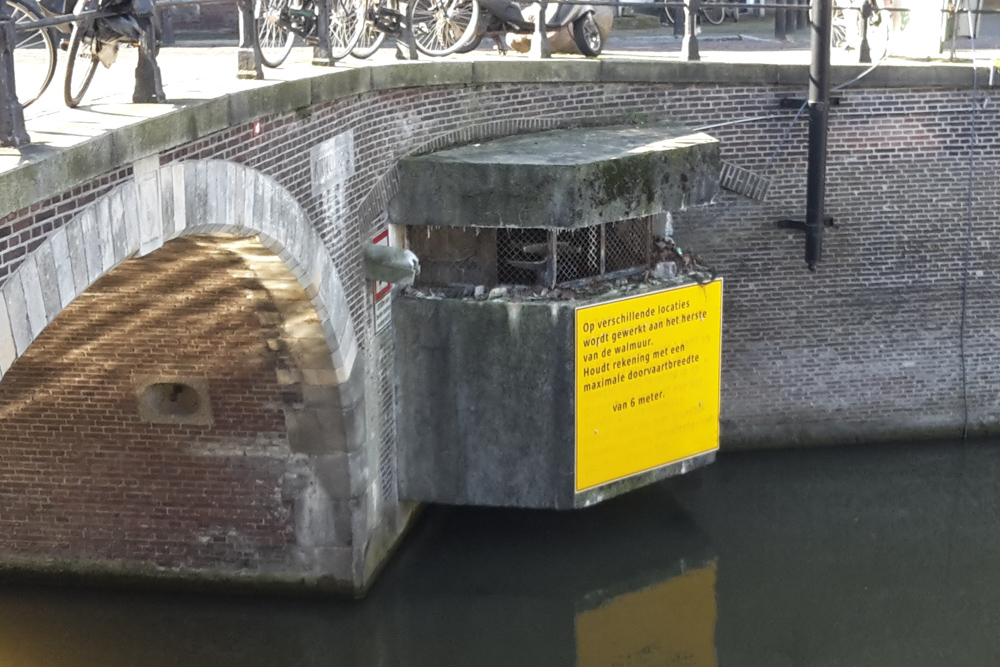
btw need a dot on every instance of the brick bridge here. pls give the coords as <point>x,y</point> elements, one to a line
<point>208,254</point>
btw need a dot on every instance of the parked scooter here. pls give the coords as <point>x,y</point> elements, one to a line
<point>502,17</point>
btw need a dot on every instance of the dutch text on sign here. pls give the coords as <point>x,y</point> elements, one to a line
<point>647,381</point>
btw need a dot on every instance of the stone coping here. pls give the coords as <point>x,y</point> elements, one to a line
<point>45,169</point>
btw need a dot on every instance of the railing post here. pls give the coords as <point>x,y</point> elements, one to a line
<point>819,110</point>
<point>802,15</point>
<point>865,51</point>
<point>12,130</point>
<point>780,23</point>
<point>540,38</point>
<point>249,61</point>
<point>689,45</point>
<point>148,82</point>
<point>321,52</point>
<point>406,46</point>
<point>167,26</point>
<point>677,13</point>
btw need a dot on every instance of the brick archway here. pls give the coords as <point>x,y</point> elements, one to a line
<point>158,205</point>
<point>212,197</point>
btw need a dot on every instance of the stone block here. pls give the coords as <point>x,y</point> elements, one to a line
<point>178,210</point>
<point>340,84</point>
<point>315,430</point>
<point>195,193</point>
<point>17,311</point>
<point>333,473</point>
<point>104,227</point>
<point>320,520</point>
<point>49,280</point>
<point>64,265</point>
<point>130,209</point>
<point>559,179</point>
<point>119,235</point>
<point>92,243</point>
<point>34,299</point>
<point>150,212</point>
<point>418,75</point>
<point>78,254</point>
<point>8,348</point>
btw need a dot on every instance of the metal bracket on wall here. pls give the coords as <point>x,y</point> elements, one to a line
<point>814,236</point>
<point>799,102</point>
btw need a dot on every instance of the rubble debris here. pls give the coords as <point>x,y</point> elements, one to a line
<point>669,265</point>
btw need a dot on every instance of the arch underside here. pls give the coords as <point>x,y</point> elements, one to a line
<point>305,427</point>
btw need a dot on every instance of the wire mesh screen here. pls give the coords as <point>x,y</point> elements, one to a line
<point>628,244</point>
<point>530,257</point>
<point>549,257</point>
<point>524,257</point>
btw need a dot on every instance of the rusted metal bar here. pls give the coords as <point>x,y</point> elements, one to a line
<point>603,249</point>
<point>12,130</point>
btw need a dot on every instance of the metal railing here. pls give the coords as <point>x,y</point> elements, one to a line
<point>789,16</point>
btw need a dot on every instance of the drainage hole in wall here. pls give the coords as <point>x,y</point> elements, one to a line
<point>172,399</point>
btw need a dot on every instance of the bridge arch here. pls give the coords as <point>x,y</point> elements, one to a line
<point>212,197</point>
<point>160,204</point>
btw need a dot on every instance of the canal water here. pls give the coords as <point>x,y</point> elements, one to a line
<point>858,556</point>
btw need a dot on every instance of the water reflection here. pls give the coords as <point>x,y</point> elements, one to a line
<point>878,556</point>
<point>627,583</point>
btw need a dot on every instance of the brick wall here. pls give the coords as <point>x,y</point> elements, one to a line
<point>867,348</point>
<point>85,476</point>
<point>828,348</point>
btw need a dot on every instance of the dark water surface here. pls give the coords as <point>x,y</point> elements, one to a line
<point>858,556</point>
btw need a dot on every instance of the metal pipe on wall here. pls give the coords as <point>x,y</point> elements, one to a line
<point>819,107</point>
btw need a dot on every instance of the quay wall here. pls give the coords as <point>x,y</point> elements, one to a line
<point>893,337</point>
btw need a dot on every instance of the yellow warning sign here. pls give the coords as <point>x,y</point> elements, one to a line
<point>647,381</point>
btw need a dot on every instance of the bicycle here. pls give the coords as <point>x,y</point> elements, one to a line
<point>95,40</point>
<point>381,19</point>
<point>34,51</point>
<point>442,27</point>
<point>278,22</point>
<point>714,15</point>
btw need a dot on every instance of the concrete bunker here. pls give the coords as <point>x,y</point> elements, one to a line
<point>524,243</point>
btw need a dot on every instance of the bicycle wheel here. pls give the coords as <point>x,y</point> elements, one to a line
<point>587,36</point>
<point>441,27</point>
<point>838,32</point>
<point>34,53</point>
<point>347,22</point>
<point>271,31</point>
<point>714,15</point>
<point>81,63</point>
<point>371,37</point>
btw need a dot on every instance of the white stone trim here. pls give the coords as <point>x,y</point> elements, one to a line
<point>141,215</point>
